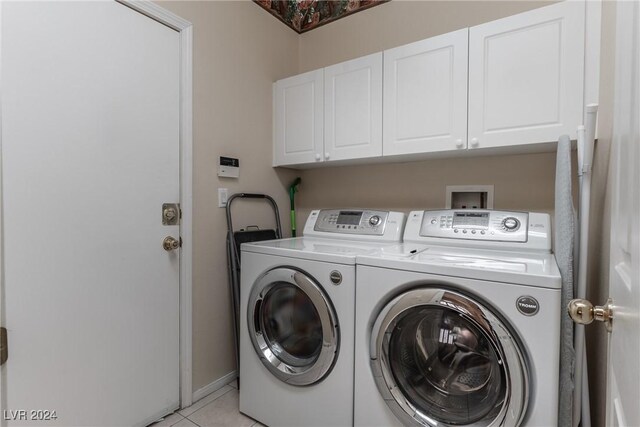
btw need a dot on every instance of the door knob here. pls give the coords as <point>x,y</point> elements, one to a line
<point>475,142</point>
<point>318,157</point>
<point>169,243</point>
<point>583,312</point>
<point>459,143</point>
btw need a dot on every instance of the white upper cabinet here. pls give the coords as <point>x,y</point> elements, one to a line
<point>516,82</point>
<point>526,75</point>
<point>353,109</point>
<point>425,95</point>
<point>298,119</point>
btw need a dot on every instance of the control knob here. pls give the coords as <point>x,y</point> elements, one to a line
<point>511,224</point>
<point>374,220</point>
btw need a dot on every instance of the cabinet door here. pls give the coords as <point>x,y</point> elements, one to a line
<point>425,95</point>
<point>353,109</point>
<point>526,76</point>
<point>298,121</point>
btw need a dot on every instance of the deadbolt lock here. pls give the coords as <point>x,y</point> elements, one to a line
<point>583,312</point>
<point>171,214</point>
<point>171,243</point>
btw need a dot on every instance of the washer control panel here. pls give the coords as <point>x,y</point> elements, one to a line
<point>367,225</point>
<point>365,222</point>
<point>473,224</point>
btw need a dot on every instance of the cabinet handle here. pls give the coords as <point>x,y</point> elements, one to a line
<point>459,143</point>
<point>317,157</point>
<point>326,156</point>
<point>475,142</point>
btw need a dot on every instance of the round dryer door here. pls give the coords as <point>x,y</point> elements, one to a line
<point>293,326</point>
<point>442,359</point>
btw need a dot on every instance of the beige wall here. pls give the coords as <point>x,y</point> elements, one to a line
<point>239,50</point>
<point>396,23</point>
<point>522,182</point>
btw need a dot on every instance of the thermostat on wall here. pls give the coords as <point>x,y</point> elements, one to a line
<point>229,167</point>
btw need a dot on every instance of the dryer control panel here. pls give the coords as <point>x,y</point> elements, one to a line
<point>480,228</point>
<point>359,224</point>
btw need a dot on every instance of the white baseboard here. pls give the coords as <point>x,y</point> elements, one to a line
<point>215,385</point>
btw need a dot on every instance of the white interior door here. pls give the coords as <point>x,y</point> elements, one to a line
<point>90,151</point>
<point>623,390</point>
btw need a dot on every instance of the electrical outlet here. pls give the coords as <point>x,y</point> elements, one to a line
<point>223,195</point>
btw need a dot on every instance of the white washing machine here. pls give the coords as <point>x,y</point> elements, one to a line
<point>297,302</point>
<point>465,332</point>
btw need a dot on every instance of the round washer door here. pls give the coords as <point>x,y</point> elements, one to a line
<point>440,358</point>
<point>293,326</point>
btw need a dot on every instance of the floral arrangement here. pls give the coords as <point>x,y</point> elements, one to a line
<point>305,15</point>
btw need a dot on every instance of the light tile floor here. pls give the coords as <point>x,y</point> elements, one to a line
<point>219,409</point>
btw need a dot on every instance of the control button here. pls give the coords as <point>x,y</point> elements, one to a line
<point>482,232</point>
<point>473,231</point>
<point>374,220</point>
<point>511,224</point>
<point>464,231</point>
<point>433,221</point>
<point>455,230</point>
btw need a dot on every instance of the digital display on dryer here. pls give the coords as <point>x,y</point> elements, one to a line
<point>349,218</point>
<point>471,219</point>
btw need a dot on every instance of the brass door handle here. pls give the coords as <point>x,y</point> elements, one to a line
<point>583,312</point>
<point>170,243</point>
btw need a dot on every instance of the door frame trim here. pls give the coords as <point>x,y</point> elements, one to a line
<point>185,30</point>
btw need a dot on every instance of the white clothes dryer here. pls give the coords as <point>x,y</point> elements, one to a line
<point>464,333</point>
<point>297,302</point>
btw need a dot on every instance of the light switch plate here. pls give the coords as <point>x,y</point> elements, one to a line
<point>223,195</point>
